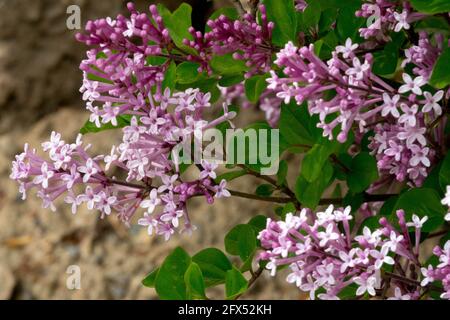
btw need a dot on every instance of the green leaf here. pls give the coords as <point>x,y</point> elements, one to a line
<point>90,127</point>
<point>440,78</point>
<point>282,172</point>
<point>422,202</point>
<point>288,208</point>
<point>261,156</point>
<point>337,192</point>
<point>431,6</point>
<point>241,241</point>
<point>432,180</point>
<point>327,19</point>
<point>385,61</point>
<point>156,60</point>
<point>170,77</point>
<point>310,193</point>
<point>433,24</point>
<point>94,77</point>
<point>229,12</point>
<point>354,200</point>
<point>227,65</point>
<point>444,239</point>
<point>187,72</point>
<point>214,265</point>
<point>311,15</point>
<point>314,161</point>
<point>229,176</point>
<point>231,80</point>
<point>178,24</point>
<point>444,173</point>
<point>205,85</point>
<point>265,190</point>
<point>254,86</point>
<point>283,14</point>
<point>371,222</point>
<point>347,24</point>
<point>296,125</point>
<point>170,283</point>
<point>235,283</point>
<point>326,45</point>
<point>318,47</point>
<point>388,206</point>
<point>363,172</point>
<point>340,4</point>
<point>258,223</point>
<point>348,292</point>
<point>195,285</point>
<point>150,279</point>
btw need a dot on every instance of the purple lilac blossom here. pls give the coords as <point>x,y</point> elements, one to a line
<point>385,16</point>
<point>153,180</point>
<point>247,39</point>
<point>325,257</point>
<point>362,101</point>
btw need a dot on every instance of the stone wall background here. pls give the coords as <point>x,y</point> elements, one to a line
<point>39,81</point>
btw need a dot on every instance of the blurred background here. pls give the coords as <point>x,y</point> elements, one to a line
<point>39,82</point>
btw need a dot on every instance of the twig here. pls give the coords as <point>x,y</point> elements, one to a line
<point>253,7</point>
<point>260,198</point>
<point>283,188</point>
<point>127,184</point>
<point>336,160</point>
<point>325,201</point>
<point>437,234</point>
<point>239,7</point>
<point>252,280</point>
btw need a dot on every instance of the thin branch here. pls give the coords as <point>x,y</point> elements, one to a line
<point>253,7</point>
<point>437,234</point>
<point>260,198</point>
<point>239,7</point>
<point>285,189</point>
<point>325,201</point>
<point>128,184</point>
<point>336,160</point>
<point>251,282</point>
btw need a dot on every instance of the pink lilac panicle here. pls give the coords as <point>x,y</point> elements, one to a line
<point>360,100</point>
<point>247,39</point>
<point>117,74</point>
<point>324,257</point>
<point>441,272</point>
<point>424,54</point>
<point>268,102</point>
<point>384,16</point>
<point>144,156</point>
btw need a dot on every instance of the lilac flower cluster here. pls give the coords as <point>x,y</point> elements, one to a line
<point>247,39</point>
<point>145,156</point>
<point>116,72</point>
<point>446,202</point>
<point>425,54</point>
<point>400,117</point>
<point>271,105</point>
<point>441,272</point>
<point>325,258</point>
<point>384,16</point>
<point>268,102</point>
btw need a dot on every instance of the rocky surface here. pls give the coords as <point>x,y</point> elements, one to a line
<point>39,76</point>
